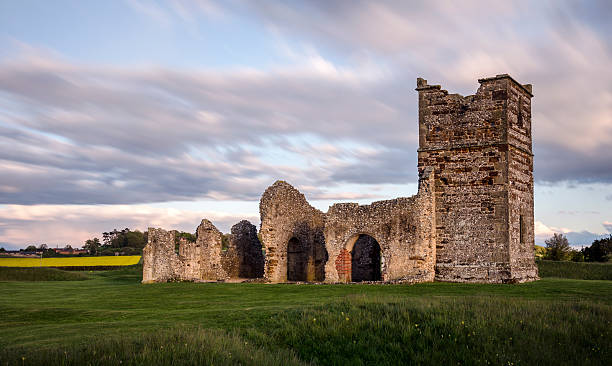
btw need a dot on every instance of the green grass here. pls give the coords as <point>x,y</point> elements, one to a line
<point>576,270</point>
<point>39,274</point>
<point>171,347</point>
<point>113,317</point>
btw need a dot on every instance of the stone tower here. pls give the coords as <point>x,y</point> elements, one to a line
<point>479,147</point>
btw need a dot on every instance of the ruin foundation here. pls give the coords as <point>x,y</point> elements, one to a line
<point>471,220</point>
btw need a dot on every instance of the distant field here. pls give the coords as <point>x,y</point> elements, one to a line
<point>71,261</point>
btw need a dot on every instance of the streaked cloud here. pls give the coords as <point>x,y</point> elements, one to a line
<point>333,111</point>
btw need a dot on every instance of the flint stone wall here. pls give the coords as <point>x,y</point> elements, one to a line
<point>286,215</point>
<point>244,257</point>
<point>404,229</point>
<point>160,263</point>
<point>204,259</point>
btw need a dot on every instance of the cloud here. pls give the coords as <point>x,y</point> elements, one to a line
<point>608,226</point>
<point>58,225</point>
<point>562,48</point>
<point>576,239</point>
<point>131,135</point>
<point>81,134</point>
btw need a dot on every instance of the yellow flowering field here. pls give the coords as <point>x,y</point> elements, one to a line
<point>126,260</point>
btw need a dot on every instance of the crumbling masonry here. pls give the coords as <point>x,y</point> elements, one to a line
<point>471,220</point>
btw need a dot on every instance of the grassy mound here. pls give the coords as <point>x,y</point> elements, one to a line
<point>575,270</point>
<point>39,274</point>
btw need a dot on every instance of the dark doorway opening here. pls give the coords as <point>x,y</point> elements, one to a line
<point>365,260</point>
<point>297,261</point>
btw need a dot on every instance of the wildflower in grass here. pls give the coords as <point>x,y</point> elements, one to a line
<point>347,318</point>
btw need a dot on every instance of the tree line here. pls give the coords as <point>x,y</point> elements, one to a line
<point>124,242</point>
<point>558,249</point>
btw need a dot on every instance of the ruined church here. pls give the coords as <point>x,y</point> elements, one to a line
<point>471,220</point>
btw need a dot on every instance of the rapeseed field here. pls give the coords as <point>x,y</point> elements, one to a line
<point>127,260</point>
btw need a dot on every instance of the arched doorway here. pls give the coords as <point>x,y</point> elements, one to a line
<point>297,260</point>
<point>366,260</point>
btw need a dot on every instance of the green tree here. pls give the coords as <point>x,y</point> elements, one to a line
<point>49,252</point>
<point>30,248</point>
<point>92,246</point>
<point>577,256</point>
<point>2,250</point>
<point>134,239</point>
<point>599,251</point>
<point>557,248</point>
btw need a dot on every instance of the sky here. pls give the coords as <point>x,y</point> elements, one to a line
<point>141,114</point>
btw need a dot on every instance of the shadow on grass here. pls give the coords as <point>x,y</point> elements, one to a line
<point>39,274</point>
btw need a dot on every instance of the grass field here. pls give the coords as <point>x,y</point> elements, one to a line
<point>112,318</point>
<point>71,261</point>
<point>582,271</point>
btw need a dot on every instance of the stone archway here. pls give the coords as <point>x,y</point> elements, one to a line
<point>361,259</point>
<point>297,260</point>
<point>366,260</point>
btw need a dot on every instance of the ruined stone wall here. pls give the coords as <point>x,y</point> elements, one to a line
<point>404,229</point>
<point>286,215</point>
<point>471,220</point>
<point>204,259</point>
<point>160,261</point>
<point>244,257</point>
<point>468,142</point>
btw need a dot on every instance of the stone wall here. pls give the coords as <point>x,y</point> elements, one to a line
<point>287,217</point>
<point>404,228</point>
<point>482,162</point>
<point>204,259</point>
<point>244,257</point>
<point>160,263</point>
